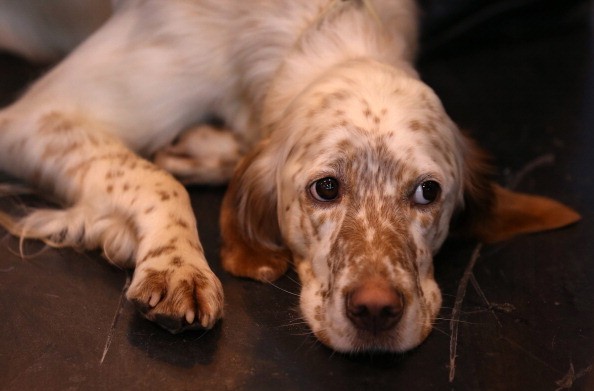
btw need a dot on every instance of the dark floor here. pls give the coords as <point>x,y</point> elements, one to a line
<point>526,91</point>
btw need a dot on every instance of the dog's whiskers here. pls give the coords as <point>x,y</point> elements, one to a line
<point>283,290</point>
<point>294,323</point>
<point>298,283</point>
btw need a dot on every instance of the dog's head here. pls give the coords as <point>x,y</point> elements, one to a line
<point>358,184</point>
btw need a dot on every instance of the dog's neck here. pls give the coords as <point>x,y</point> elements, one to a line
<point>342,31</point>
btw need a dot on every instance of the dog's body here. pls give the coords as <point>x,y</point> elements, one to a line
<point>353,172</point>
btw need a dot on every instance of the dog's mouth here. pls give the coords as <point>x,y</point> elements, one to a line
<point>372,316</point>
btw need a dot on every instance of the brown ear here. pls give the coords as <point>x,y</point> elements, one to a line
<point>516,213</point>
<point>492,213</point>
<point>252,244</point>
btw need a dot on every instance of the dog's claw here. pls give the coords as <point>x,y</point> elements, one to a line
<point>155,299</point>
<point>178,300</point>
<point>190,316</point>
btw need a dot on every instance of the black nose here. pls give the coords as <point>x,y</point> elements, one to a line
<point>374,306</point>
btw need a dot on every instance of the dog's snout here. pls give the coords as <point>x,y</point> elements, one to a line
<point>374,306</point>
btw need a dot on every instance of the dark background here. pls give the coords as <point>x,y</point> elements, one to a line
<point>519,76</point>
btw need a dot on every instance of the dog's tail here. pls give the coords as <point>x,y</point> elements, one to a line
<point>87,229</point>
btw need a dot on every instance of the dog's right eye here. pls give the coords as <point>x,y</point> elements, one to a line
<point>426,193</point>
<point>325,189</point>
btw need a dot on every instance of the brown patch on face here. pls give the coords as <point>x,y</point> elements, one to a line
<point>181,223</point>
<point>319,315</point>
<point>423,126</point>
<point>365,250</point>
<point>415,125</point>
<point>304,228</point>
<point>334,98</point>
<point>373,237</point>
<point>346,147</point>
<point>428,102</point>
<point>439,146</point>
<point>424,219</point>
<point>164,195</point>
<point>317,223</point>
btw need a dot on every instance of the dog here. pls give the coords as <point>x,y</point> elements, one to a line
<point>341,161</point>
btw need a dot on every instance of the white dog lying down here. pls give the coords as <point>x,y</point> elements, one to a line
<point>353,171</point>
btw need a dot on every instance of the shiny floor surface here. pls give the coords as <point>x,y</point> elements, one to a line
<point>527,320</point>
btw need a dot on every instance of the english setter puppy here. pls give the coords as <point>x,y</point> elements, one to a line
<point>353,172</point>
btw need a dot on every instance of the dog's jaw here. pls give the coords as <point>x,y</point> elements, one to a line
<point>326,317</point>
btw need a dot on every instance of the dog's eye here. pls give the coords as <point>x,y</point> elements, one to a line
<point>426,193</point>
<point>325,189</point>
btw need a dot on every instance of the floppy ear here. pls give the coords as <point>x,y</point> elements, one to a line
<point>252,244</point>
<point>494,214</point>
<point>517,213</point>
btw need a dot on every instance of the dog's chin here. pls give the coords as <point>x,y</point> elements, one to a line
<point>364,343</point>
<point>328,322</point>
<point>353,341</point>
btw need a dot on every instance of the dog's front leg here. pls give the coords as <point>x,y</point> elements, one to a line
<point>137,213</point>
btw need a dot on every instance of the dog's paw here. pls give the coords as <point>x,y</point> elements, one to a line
<point>178,299</point>
<point>202,155</point>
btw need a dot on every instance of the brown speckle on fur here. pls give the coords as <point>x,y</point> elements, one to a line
<point>164,196</point>
<point>56,123</point>
<point>157,252</point>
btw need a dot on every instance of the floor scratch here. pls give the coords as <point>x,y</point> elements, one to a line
<point>544,160</point>
<point>116,316</point>
<point>468,275</point>
<point>566,382</point>
<point>455,321</point>
<point>480,292</point>
<point>528,353</point>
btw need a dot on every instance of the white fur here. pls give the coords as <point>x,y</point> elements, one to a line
<point>157,68</point>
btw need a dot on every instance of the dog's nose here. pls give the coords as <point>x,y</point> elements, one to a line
<point>374,306</point>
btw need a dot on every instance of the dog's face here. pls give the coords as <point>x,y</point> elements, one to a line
<point>358,182</point>
<point>364,172</point>
<point>365,197</point>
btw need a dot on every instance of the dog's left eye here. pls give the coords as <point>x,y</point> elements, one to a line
<point>325,189</point>
<point>426,193</point>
